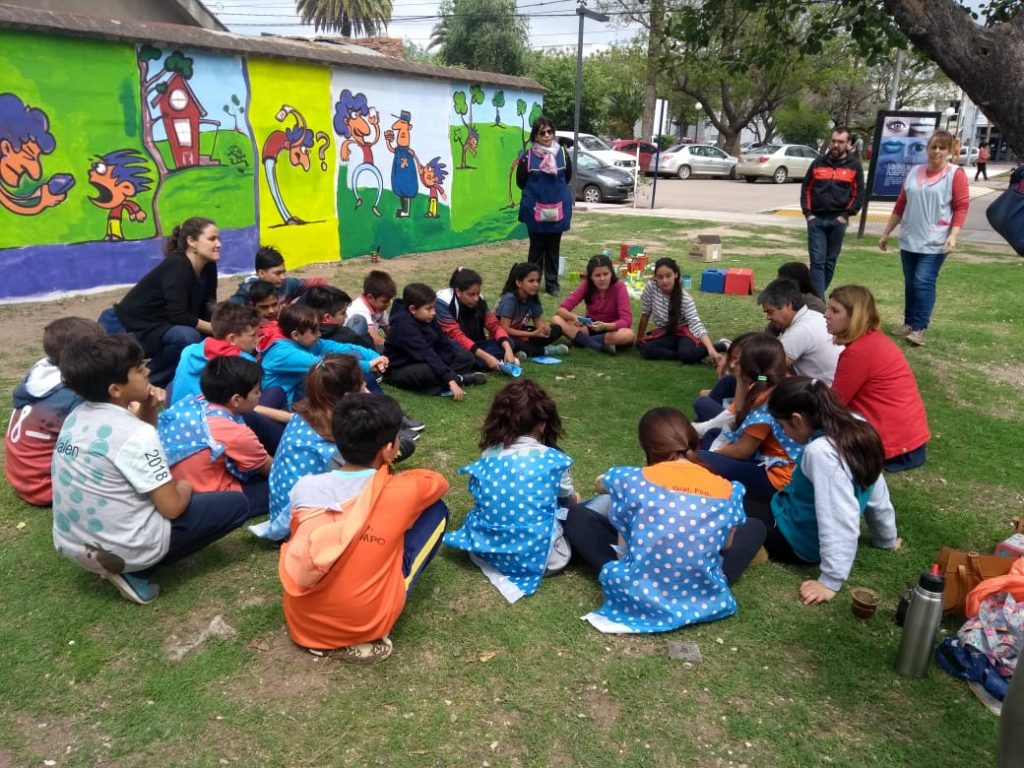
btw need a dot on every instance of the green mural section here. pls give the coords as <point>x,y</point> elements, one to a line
<point>85,93</point>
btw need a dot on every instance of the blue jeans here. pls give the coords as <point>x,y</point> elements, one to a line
<point>824,241</point>
<point>163,364</point>
<point>920,273</point>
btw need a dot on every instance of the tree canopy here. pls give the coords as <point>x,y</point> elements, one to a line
<point>488,35</point>
<point>359,18</point>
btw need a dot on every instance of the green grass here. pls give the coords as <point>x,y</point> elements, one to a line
<point>85,678</point>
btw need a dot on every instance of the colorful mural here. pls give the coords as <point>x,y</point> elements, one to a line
<point>104,147</point>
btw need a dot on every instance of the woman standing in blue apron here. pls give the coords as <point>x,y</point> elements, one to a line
<point>544,173</point>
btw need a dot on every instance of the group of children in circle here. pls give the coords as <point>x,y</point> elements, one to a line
<point>306,435</point>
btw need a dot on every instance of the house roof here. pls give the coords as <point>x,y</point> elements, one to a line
<point>122,30</point>
<point>177,81</point>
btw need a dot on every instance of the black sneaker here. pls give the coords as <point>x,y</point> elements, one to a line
<point>412,425</point>
<point>472,379</point>
<point>406,445</point>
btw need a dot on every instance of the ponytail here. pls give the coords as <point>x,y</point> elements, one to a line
<point>857,443</point>
<point>675,299</point>
<point>763,363</point>
<point>177,243</point>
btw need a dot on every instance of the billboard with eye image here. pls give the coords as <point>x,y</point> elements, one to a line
<point>900,143</point>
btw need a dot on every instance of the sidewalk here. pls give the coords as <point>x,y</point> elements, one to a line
<point>977,229</point>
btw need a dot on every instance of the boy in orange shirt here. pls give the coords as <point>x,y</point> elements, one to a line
<point>206,441</point>
<point>361,537</point>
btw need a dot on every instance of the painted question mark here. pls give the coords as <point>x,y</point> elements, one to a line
<point>321,136</point>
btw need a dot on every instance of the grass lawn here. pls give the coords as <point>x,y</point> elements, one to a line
<point>88,679</point>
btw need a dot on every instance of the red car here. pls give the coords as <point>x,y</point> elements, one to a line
<point>647,152</point>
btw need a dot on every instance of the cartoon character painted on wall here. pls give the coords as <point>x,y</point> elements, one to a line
<point>356,120</point>
<point>432,175</point>
<point>296,142</point>
<point>24,138</point>
<point>117,177</point>
<point>404,182</point>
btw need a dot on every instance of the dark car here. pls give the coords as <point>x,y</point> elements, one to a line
<point>596,181</point>
<point>647,152</point>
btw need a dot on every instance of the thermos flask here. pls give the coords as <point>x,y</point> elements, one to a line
<point>921,626</point>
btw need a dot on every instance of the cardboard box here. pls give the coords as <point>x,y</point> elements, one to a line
<point>707,248</point>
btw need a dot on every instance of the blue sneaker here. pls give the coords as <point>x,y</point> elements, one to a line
<point>134,588</point>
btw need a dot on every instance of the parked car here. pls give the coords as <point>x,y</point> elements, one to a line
<point>776,162</point>
<point>648,152</point>
<point>968,155</point>
<point>685,160</point>
<point>598,181</point>
<point>598,148</point>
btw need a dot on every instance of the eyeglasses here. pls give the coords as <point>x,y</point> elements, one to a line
<point>545,132</point>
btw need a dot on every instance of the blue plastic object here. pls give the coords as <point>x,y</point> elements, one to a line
<point>713,281</point>
<point>510,369</point>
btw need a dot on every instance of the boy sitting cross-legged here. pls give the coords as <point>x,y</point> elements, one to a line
<point>361,537</point>
<point>299,346</point>
<point>116,509</point>
<point>207,442</point>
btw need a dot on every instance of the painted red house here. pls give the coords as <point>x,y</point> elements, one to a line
<point>181,113</point>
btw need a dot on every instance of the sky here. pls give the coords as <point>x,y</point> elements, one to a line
<point>553,23</point>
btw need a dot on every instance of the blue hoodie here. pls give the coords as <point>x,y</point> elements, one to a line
<point>193,361</point>
<point>286,363</point>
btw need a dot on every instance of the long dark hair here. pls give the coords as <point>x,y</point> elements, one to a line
<point>597,261</point>
<point>666,434</point>
<point>518,272</point>
<point>464,278</point>
<point>177,243</point>
<point>516,411</point>
<point>675,299</point>
<point>856,441</point>
<point>763,364</point>
<point>327,382</point>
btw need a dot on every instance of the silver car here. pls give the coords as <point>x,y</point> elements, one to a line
<point>685,160</point>
<point>776,162</point>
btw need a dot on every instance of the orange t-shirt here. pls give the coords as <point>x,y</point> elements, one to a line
<point>240,444</point>
<point>362,595</point>
<point>686,477</point>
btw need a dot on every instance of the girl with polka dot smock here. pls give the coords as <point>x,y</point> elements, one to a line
<point>674,541</point>
<point>521,486</point>
<point>307,445</point>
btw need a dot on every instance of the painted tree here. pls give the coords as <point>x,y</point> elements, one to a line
<point>349,18</point>
<point>235,109</point>
<point>489,35</point>
<point>469,141</point>
<point>498,101</point>
<point>521,114</point>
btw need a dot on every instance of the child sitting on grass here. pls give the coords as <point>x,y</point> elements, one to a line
<point>469,322</point>
<point>117,511</point>
<point>678,332</point>
<point>422,357</point>
<point>372,306</point>
<point>41,403</point>
<point>676,537</point>
<point>206,440</point>
<point>234,333</point>
<point>838,479</point>
<point>521,488</point>
<point>299,346</point>
<point>332,305</point>
<point>609,312</point>
<point>521,315</point>
<point>361,537</point>
<point>269,265</point>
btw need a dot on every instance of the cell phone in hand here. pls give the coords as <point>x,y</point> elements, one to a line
<point>586,321</point>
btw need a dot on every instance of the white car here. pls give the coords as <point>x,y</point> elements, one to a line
<point>776,162</point>
<point>685,160</point>
<point>968,155</point>
<point>598,149</point>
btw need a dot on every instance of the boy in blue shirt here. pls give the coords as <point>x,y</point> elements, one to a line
<point>234,334</point>
<point>299,346</point>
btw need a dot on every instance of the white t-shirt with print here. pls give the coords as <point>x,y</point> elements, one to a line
<point>105,465</point>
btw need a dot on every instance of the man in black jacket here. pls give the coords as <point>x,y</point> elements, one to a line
<point>831,195</point>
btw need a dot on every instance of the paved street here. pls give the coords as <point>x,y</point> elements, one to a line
<point>778,204</point>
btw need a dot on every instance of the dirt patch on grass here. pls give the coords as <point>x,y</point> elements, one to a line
<point>281,672</point>
<point>50,738</point>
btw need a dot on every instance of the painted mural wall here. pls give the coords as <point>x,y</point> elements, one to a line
<point>104,147</point>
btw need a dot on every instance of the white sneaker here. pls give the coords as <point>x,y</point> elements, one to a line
<point>915,337</point>
<point>901,331</point>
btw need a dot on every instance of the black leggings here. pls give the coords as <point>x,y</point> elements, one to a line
<point>535,347</point>
<point>779,548</point>
<point>544,247</point>
<point>591,537</point>
<point>673,347</point>
<point>420,377</point>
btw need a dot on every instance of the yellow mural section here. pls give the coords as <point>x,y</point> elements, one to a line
<point>289,112</point>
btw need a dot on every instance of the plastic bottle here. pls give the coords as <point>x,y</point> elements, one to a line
<point>922,624</point>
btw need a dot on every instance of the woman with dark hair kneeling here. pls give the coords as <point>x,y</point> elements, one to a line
<point>170,307</point>
<point>670,564</point>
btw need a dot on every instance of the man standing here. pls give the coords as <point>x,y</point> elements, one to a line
<point>831,195</point>
<point>803,333</point>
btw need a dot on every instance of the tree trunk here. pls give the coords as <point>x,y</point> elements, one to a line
<point>988,63</point>
<point>655,41</point>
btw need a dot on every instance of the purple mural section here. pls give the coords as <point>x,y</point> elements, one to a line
<point>43,270</point>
